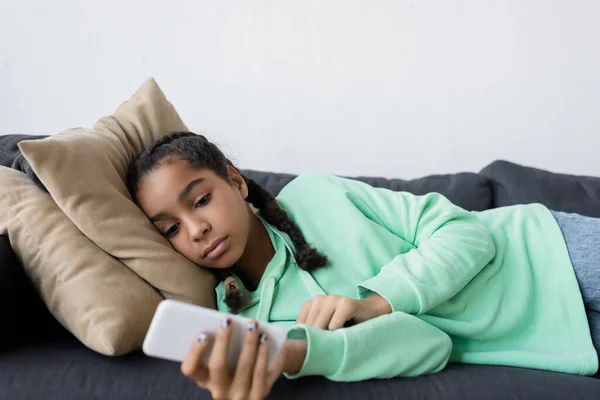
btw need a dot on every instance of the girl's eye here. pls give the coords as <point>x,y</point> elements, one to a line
<point>203,201</point>
<point>173,229</point>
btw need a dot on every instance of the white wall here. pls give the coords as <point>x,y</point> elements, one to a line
<point>393,88</point>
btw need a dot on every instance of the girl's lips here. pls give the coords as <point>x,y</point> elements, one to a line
<point>217,249</point>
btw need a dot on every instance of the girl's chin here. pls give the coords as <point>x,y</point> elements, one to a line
<point>222,264</point>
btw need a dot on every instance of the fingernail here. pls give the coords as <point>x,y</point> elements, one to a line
<point>225,324</point>
<point>263,338</point>
<point>251,326</point>
<point>202,338</point>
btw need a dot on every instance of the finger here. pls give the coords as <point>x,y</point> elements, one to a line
<point>245,366</point>
<point>260,380</point>
<point>316,305</point>
<point>319,304</point>
<point>217,364</point>
<point>322,319</point>
<point>339,318</point>
<point>192,366</point>
<point>303,313</point>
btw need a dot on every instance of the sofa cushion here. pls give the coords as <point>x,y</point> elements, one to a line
<point>468,190</point>
<point>85,169</point>
<point>95,296</point>
<point>66,370</point>
<point>517,184</point>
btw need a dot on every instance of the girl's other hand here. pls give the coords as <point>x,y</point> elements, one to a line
<point>332,312</point>
<point>251,379</point>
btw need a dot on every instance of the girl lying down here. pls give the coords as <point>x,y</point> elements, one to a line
<point>371,283</point>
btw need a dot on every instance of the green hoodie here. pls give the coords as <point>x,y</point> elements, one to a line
<point>492,287</point>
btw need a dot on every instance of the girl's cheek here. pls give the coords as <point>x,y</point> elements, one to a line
<point>180,247</point>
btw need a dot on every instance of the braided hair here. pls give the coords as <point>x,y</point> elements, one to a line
<point>200,152</point>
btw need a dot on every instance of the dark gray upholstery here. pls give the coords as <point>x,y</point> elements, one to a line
<point>9,149</point>
<point>10,156</point>
<point>65,370</point>
<point>42,361</point>
<point>468,190</point>
<point>16,296</point>
<point>517,184</point>
<point>23,314</point>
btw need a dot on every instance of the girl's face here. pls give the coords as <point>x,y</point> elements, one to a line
<point>203,216</point>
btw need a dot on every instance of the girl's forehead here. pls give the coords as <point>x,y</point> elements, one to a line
<point>174,167</point>
<point>171,177</point>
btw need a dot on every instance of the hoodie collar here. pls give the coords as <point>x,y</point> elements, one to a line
<point>265,292</point>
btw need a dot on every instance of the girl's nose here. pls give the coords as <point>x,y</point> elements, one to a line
<point>198,229</point>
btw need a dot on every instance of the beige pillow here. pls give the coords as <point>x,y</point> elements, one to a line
<point>85,170</point>
<point>103,303</point>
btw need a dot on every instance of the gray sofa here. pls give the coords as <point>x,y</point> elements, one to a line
<point>41,360</point>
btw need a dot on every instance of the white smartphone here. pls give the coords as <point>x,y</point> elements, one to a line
<point>176,325</point>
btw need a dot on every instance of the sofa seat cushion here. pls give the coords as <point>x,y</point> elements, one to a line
<point>67,370</point>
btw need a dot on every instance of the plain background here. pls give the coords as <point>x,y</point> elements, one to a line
<point>390,88</point>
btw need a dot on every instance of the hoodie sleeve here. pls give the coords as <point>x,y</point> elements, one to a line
<point>451,246</point>
<point>393,345</point>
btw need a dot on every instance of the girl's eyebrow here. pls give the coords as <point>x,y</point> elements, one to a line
<point>188,188</point>
<point>158,216</point>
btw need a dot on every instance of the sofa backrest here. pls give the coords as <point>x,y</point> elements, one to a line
<point>517,184</point>
<point>468,190</point>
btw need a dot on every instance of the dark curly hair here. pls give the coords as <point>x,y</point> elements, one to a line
<point>200,152</point>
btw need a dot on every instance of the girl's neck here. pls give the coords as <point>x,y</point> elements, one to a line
<point>258,253</point>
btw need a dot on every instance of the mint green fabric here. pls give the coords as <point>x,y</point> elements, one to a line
<point>491,287</point>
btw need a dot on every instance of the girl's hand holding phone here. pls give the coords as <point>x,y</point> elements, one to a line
<point>251,379</point>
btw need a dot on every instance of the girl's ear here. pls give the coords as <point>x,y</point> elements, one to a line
<point>238,181</point>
